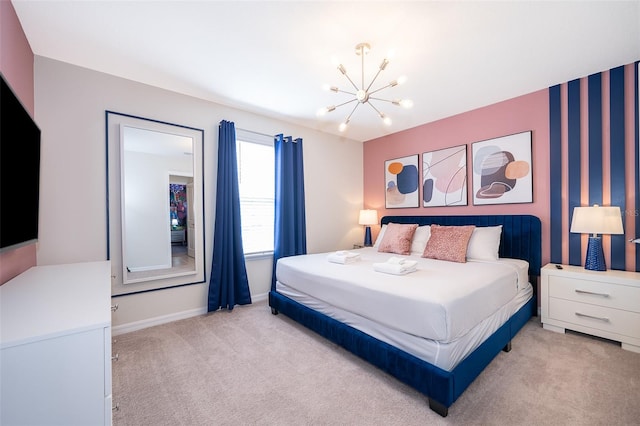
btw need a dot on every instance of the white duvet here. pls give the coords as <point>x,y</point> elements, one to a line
<point>440,301</point>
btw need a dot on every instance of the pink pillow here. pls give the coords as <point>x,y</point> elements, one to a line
<point>449,243</point>
<point>397,238</point>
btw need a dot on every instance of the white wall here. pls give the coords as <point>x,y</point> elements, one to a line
<point>70,104</point>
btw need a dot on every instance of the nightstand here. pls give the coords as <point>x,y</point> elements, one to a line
<point>600,303</point>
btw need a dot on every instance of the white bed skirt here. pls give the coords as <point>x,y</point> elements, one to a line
<point>443,355</point>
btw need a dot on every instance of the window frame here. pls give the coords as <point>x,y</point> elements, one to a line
<point>248,136</point>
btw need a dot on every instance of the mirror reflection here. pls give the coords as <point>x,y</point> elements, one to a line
<point>156,223</point>
<point>156,169</point>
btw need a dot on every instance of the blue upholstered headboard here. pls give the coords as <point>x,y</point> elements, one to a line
<point>521,234</point>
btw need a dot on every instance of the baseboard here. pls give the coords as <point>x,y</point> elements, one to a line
<point>163,319</point>
<point>150,322</point>
<point>260,297</point>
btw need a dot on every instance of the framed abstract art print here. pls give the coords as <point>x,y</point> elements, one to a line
<point>444,177</point>
<point>401,182</point>
<point>502,170</point>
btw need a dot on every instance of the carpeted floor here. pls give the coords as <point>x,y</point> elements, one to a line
<point>248,367</point>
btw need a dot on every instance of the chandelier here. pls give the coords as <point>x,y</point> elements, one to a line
<point>364,94</point>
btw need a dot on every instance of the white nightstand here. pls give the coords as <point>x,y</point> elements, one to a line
<point>600,303</point>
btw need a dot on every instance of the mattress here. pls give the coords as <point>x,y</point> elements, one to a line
<point>441,301</point>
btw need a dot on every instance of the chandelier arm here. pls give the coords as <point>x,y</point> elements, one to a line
<point>380,99</point>
<point>351,81</point>
<point>344,91</point>
<point>374,79</point>
<point>376,109</point>
<point>352,111</point>
<point>345,103</point>
<point>381,88</point>
<point>394,102</point>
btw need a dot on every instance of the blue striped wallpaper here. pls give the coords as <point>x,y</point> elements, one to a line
<point>598,105</point>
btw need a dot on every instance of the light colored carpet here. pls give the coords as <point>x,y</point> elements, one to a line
<point>248,367</point>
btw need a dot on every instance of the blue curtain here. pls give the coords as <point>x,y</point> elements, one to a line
<point>290,231</point>
<point>228,285</point>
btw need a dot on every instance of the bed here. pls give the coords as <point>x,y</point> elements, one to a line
<point>438,355</point>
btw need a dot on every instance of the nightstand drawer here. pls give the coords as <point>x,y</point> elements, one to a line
<point>598,317</point>
<point>595,293</point>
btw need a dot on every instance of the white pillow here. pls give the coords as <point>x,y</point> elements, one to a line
<point>380,235</point>
<point>484,243</point>
<point>420,238</point>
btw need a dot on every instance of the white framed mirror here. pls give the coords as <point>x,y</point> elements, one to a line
<point>155,203</point>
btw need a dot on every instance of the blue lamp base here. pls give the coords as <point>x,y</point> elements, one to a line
<point>367,236</point>
<point>595,255</point>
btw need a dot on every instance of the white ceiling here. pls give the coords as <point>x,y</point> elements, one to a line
<point>273,57</point>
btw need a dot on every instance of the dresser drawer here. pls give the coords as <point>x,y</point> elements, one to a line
<point>597,317</point>
<point>595,293</point>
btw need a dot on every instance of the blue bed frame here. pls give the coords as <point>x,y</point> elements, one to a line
<point>521,239</point>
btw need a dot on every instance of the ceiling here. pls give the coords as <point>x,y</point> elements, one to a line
<point>273,58</point>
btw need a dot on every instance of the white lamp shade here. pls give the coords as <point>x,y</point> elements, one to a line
<point>368,217</point>
<point>597,220</point>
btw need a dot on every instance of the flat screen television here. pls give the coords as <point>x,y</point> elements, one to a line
<point>19,172</point>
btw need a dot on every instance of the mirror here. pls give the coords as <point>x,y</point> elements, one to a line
<point>155,204</point>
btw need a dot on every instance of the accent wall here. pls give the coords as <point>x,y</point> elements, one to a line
<point>584,151</point>
<point>594,158</point>
<point>525,113</point>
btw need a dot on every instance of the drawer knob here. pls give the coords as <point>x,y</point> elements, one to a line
<point>605,319</point>
<point>114,307</point>
<point>115,357</point>
<point>593,293</point>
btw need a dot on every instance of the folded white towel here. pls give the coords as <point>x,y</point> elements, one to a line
<point>396,268</point>
<point>389,268</point>
<point>343,257</point>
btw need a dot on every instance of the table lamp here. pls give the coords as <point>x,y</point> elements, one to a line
<point>368,218</point>
<point>596,220</point>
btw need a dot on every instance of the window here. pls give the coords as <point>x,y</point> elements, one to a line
<point>256,174</point>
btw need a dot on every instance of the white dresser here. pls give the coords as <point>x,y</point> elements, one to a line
<point>600,303</point>
<point>55,348</point>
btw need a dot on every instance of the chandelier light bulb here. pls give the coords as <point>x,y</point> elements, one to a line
<point>325,110</point>
<point>328,87</point>
<point>342,127</point>
<point>385,119</point>
<point>402,79</point>
<point>406,103</point>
